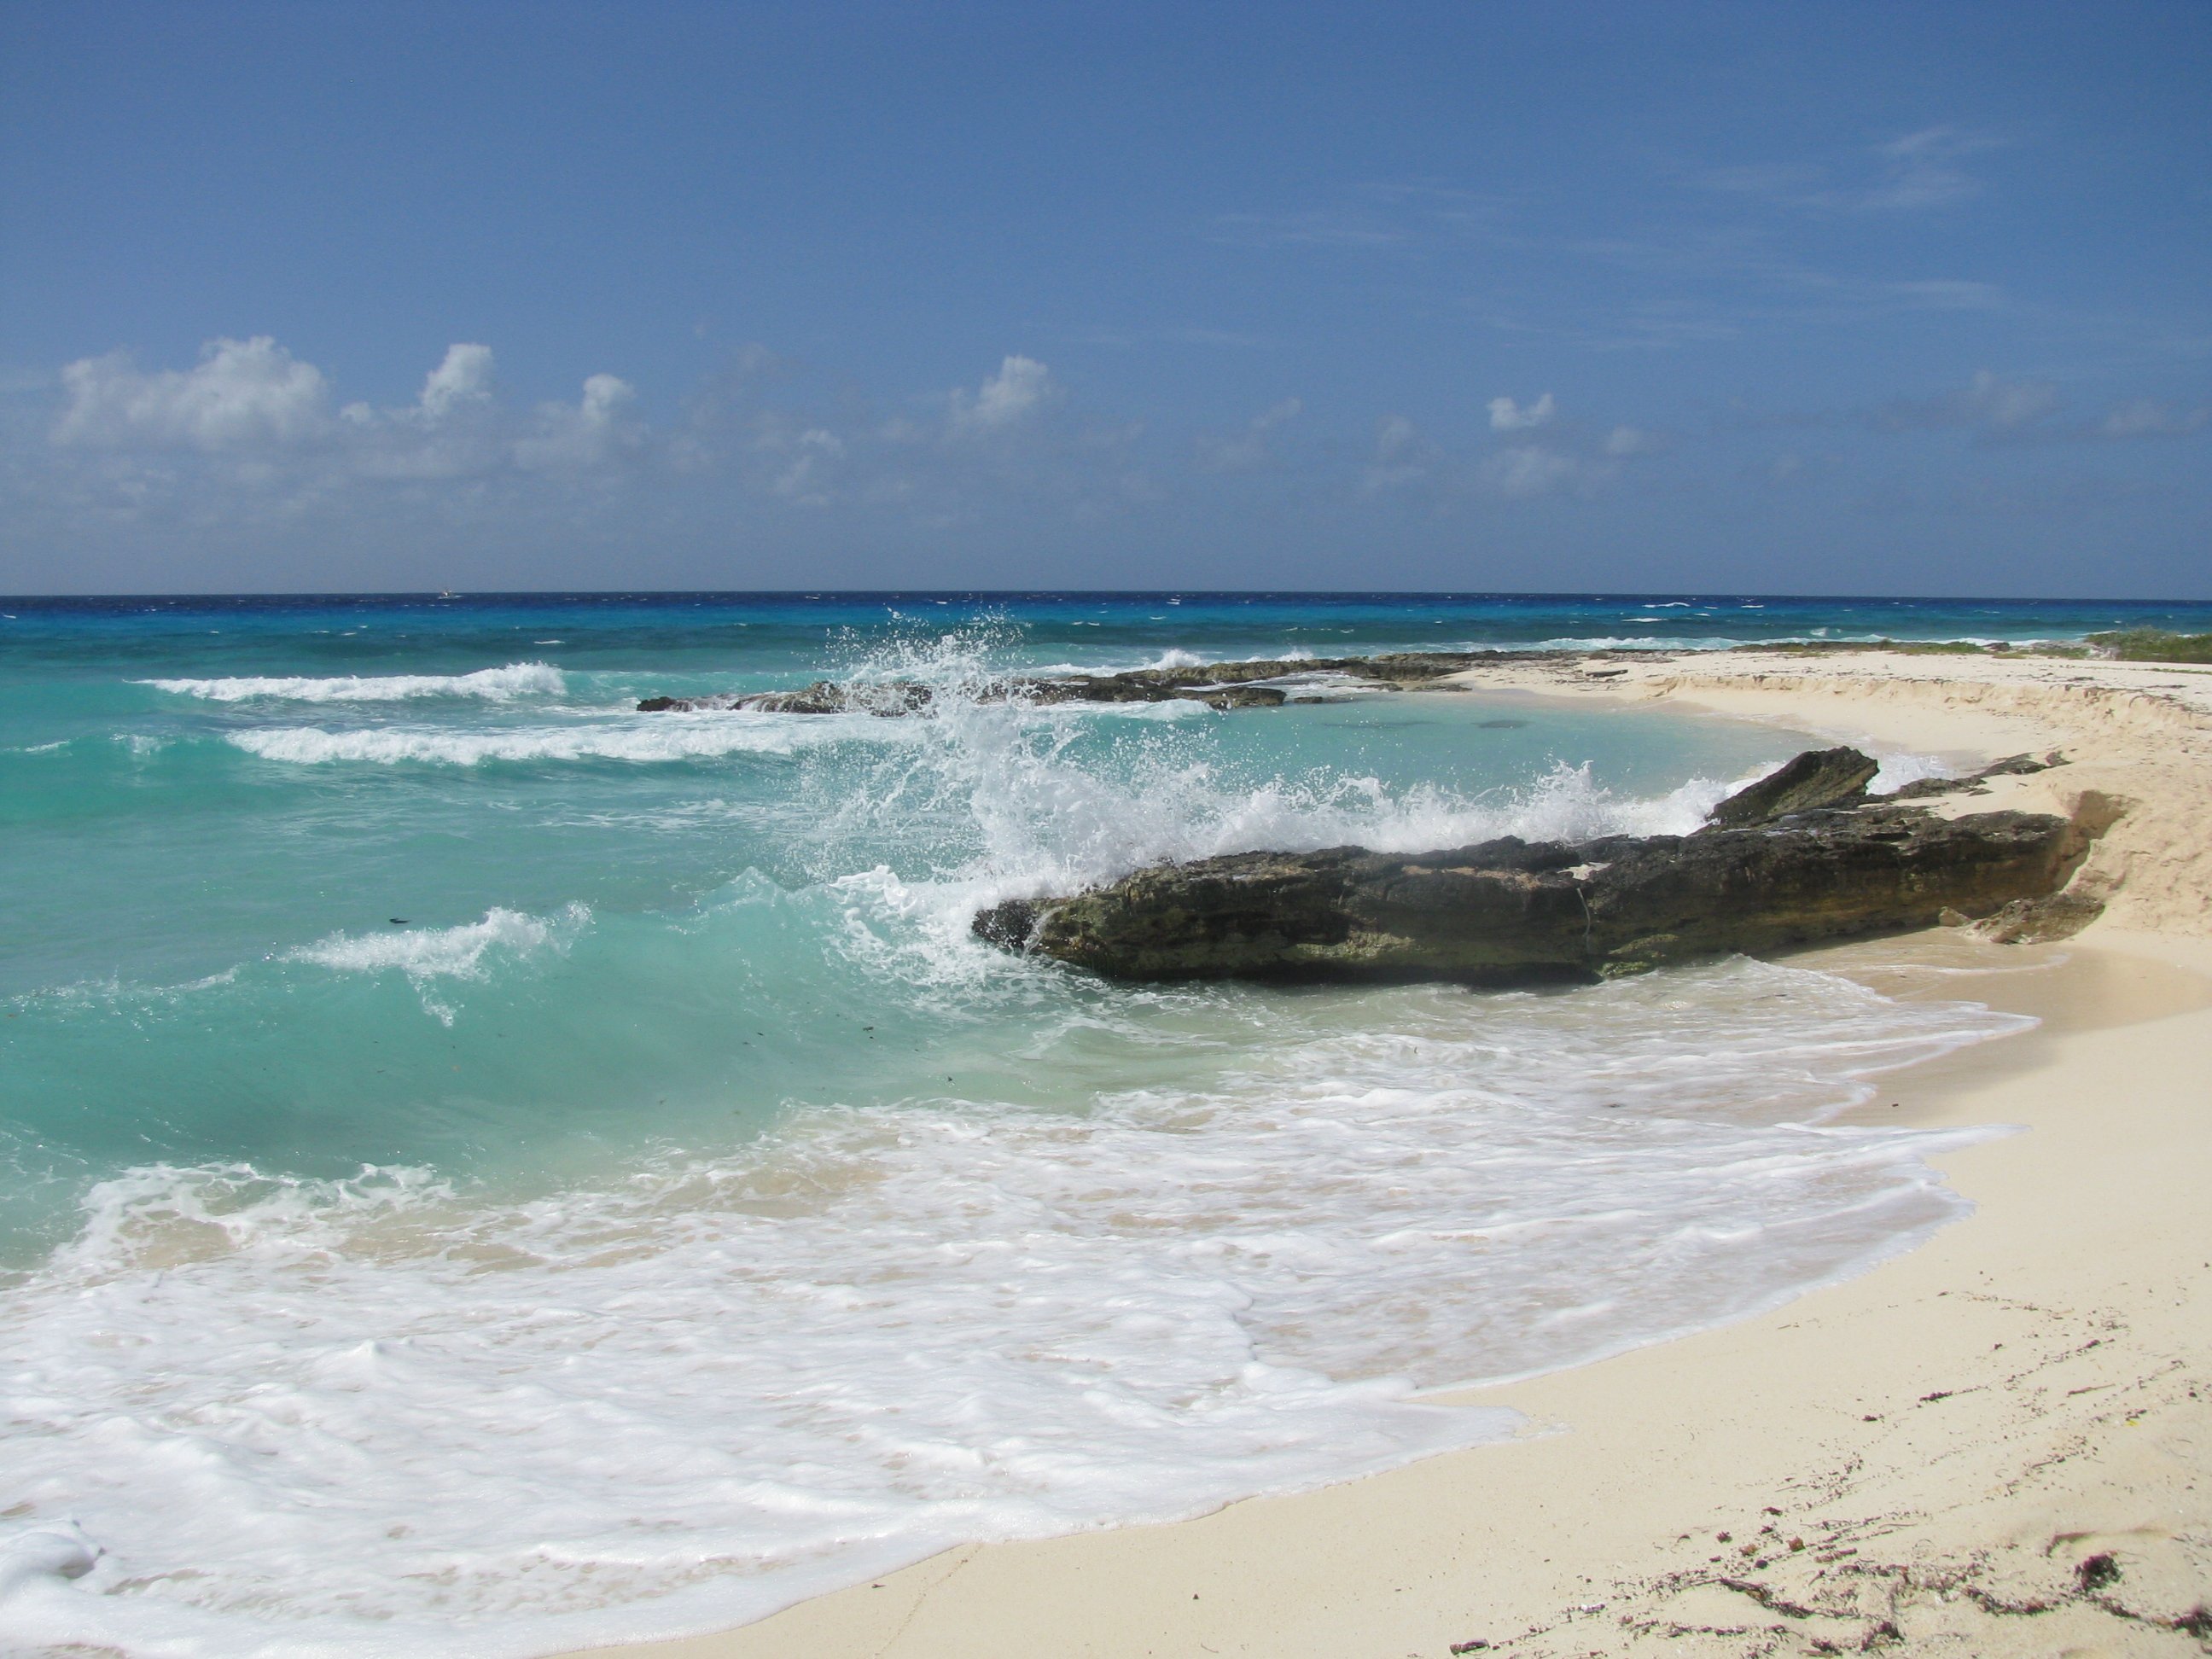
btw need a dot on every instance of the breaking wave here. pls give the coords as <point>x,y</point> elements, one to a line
<point>658,738</point>
<point>389,1415</point>
<point>516,679</point>
<point>819,1236</point>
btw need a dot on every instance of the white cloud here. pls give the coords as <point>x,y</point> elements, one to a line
<point>254,402</point>
<point>1246,450</point>
<point>1506,416</point>
<point>2146,417</point>
<point>242,395</point>
<point>461,382</point>
<point>2009,404</point>
<point>803,461</point>
<point>1022,390</point>
<point>1996,405</point>
<point>584,436</point>
<point>1632,440</point>
<point>1923,168</point>
<point>1522,470</point>
<point>1916,170</point>
<point>1402,456</point>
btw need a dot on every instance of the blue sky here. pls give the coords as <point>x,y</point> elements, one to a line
<point>1842,298</point>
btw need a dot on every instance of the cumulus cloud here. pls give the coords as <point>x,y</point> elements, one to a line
<point>253,405</point>
<point>462,382</point>
<point>1520,470</point>
<point>251,435</point>
<point>242,395</point>
<point>451,429</point>
<point>1017,394</point>
<point>1995,406</point>
<point>584,435</point>
<point>1540,456</point>
<point>1402,456</point>
<point>1507,416</point>
<point>2146,417</point>
<point>1246,450</point>
<point>803,460</point>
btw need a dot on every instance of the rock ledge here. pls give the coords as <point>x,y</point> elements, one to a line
<point>1765,875</point>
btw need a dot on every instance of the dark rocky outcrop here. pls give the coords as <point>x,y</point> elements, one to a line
<point>2037,920</point>
<point>1508,910</point>
<point>1975,783</point>
<point>1816,779</point>
<point>1220,685</point>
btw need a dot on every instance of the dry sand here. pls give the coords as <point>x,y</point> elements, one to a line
<point>2000,1443</point>
<point>2136,735</point>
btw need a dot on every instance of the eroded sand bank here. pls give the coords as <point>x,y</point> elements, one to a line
<point>2000,1443</point>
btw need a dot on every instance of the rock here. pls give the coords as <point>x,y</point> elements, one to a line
<point>1219,685</point>
<point>1816,779</point>
<point>2012,765</point>
<point>822,697</point>
<point>2032,921</point>
<point>1244,696</point>
<point>1508,910</point>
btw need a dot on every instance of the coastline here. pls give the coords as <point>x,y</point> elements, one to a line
<point>1951,1435</point>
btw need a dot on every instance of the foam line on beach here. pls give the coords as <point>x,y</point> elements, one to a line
<point>688,1378</point>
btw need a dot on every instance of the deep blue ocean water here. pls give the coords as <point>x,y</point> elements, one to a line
<point>482,1168</point>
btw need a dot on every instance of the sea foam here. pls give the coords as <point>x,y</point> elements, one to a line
<point>516,679</point>
<point>1154,1250</point>
<point>644,739</point>
<point>425,955</point>
<point>386,1415</point>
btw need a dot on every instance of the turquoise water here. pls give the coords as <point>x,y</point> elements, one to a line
<point>487,1169</point>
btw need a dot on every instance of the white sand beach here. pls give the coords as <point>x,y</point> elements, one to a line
<point>1998,1444</point>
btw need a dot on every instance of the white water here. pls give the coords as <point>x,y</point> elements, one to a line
<point>717,1383</point>
<point>644,738</point>
<point>1153,1251</point>
<point>1045,824</point>
<point>516,679</point>
<point>425,955</point>
<point>428,953</point>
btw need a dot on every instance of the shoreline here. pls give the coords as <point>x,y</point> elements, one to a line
<point>1951,1436</point>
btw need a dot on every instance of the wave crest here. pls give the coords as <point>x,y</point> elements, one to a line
<point>451,952</point>
<point>659,737</point>
<point>516,679</point>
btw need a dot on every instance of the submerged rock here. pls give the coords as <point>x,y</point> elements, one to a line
<point>1219,685</point>
<point>1508,910</point>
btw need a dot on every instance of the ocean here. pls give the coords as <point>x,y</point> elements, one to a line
<point>484,1170</point>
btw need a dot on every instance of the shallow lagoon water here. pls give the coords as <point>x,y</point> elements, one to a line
<point>488,1169</point>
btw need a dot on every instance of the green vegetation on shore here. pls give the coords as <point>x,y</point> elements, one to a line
<point>2153,645</point>
<point>1905,647</point>
<point>2123,645</point>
